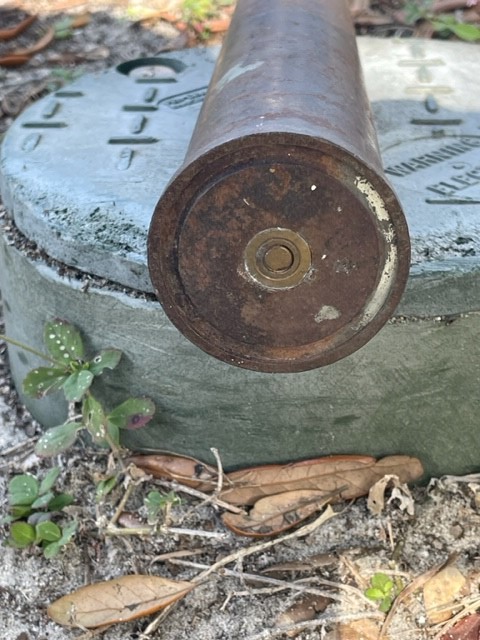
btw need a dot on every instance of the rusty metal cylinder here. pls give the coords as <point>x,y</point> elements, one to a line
<point>278,246</point>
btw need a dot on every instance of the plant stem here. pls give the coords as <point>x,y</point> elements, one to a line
<point>25,347</point>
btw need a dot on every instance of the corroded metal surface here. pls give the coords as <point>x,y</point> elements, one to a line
<point>279,246</point>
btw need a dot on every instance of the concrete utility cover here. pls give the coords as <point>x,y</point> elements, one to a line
<point>82,170</point>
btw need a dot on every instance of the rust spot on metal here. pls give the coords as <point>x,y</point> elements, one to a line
<point>279,246</point>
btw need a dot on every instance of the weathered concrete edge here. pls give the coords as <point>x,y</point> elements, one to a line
<point>413,389</point>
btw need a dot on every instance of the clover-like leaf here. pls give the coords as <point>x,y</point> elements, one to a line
<point>382,581</point>
<point>57,439</point>
<point>63,341</point>
<point>94,418</point>
<point>39,382</point>
<point>23,490</point>
<point>22,534</point>
<point>48,531</point>
<point>106,359</point>
<point>60,501</point>
<point>77,384</point>
<point>134,413</point>
<point>68,532</point>
<point>49,480</point>
<point>42,501</point>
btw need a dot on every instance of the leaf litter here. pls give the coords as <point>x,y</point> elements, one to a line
<point>242,599</point>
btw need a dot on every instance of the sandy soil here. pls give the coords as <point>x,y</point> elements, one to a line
<point>245,599</point>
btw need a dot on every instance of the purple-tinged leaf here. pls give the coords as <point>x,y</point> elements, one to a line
<point>134,413</point>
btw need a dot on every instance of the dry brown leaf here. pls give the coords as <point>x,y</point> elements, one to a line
<point>9,34</point>
<point>304,609</point>
<point>187,471</point>
<point>363,629</point>
<point>356,473</point>
<point>119,600</point>
<point>376,495</point>
<point>442,592</point>
<point>274,514</point>
<point>44,40</point>
<point>467,628</point>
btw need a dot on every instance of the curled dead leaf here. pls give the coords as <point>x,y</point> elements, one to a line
<point>304,609</point>
<point>467,628</point>
<point>118,600</point>
<point>442,592</point>
<point>13,32</point>
<point>43,41</point>
<point>187,471</point>
<point>400,492</point>
<point>355,473</point>
<point>274,514</point>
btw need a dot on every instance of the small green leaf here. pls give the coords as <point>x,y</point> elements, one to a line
<point>467,32</point>
<point>105,486</point>
<point>68,532</point>
<point>22,490</point>
<point>107,359</point>
<point>114,433</point>
<point>20,511</point>
<point>60,502</point>
<point>386,604</point>
<point>374,594</point>
<point>49,480</point>
<point>43,501</point>
<point>134,413</point>
<point>48,531</point>
<point>382,581</point>
<point>94,418</point>
<point>39,382</point>
<point>52,549</point>
<point>57,439</point>
<point>63,341</point>
<point>22,534</point>
<point>77,384</point>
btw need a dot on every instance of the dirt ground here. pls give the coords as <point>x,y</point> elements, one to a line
<point>326,569</point>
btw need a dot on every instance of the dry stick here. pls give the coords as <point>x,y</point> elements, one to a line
<point>312,624</point>
<point>468,608</point>
<point>284,584</point>
<point>409,590</point>
<point>243,553</point>
<point>176,486</point>
<point>148,531</point>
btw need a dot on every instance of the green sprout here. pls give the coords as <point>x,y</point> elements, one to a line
<point>32,507</point>
<point>383,590</point>
<point>72,373</point>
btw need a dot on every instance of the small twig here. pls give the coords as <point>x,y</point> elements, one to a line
<point>173,555</point>
<point>25,347</point>
<point>18,447</point>
<point>123,502</point>
<point>326,618</point>
<point>176,486</point>
<point>469,607</point>
<point>243,553</point>
<point>111,530</point>
<point>219,487</point>
<point>275,582</point>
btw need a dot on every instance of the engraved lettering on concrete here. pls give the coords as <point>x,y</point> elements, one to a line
<point>456,182</point>
<point>31,141</point>
<point>50,109</point>
<point>185,99</point>
<point>124,159</point>
<point>446,152</point>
